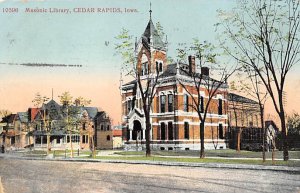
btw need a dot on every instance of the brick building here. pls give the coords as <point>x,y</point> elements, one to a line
<point>174,124</point>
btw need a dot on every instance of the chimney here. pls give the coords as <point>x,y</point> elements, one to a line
<point>205,71</point>
<point>192,65</point>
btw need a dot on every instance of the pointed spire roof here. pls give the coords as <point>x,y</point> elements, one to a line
<point>151,35</point>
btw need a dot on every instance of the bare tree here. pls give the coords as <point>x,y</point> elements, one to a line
<point>72,113</point>
<point>199,82</point>
<point>39,102</point>
<point>4,113</point>
<point>146,79</point>
<point>254,88</point>
<point>234,105</point>
<point>71,109</point>
<point>265,34</point>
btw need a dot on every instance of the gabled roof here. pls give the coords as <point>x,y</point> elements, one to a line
<point>238,98</point>
<point>92,111</point>
<point>54,109</point>
<point>9,118</point>
<point>32,112</point>
<point>270,122</point>
<point>117,132</point>
<point>23,117</point>
<point>151,32</point>
<point>101,114</point>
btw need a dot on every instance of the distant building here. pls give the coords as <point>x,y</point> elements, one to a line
<point>271,134</point>
<point>104,135</point>
<point>117,137</point>
<point>64,124</point>
<point>8,131</point>
<point>107,136</point>
<point>244,115</point>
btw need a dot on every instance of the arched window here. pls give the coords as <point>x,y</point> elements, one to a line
<point>170,103</point>
<point>108,138</point>
<point>162,103</point>
<point>220,107</point>
<point>185,103</point>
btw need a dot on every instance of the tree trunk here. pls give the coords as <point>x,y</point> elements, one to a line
<point>93,147</point>
<point>284,137</point>
<point>202,153</point>
<point>264,133</point>
<point>238,141</point>
<point>29,141</point>
<point>273,152</point>
<point>71,144</point>
<point>148,129</point>
<point>48,143</point>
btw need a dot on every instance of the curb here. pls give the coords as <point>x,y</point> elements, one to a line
<point>295,170</point>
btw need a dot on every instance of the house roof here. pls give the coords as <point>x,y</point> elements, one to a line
<point>9,118</point>
<point>23,116</point>
<point>238,98</point>
<point>270,122</point>
<point>117,132</point>
<point>92,111</point>
<point>151,32</point>
<point>33,113</point>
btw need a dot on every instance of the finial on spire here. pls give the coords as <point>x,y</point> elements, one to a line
<point>150,11</point>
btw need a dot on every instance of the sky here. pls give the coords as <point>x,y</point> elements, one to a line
<point>87,39</point>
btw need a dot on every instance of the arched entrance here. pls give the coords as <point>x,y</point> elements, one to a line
<point>137,130</point>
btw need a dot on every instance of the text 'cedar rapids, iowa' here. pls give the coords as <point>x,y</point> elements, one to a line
<point>71,10</point>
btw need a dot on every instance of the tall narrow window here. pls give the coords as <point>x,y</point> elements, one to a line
<point>201,104</point>
<point>129,105</point>
<point>163,131</point>
<point>170,103</point>
<point>127,133</point>
<point>186,130</point>
<point>163,103</point>
<point>170,131</point>
<point>160,67</point>
<point>186,103</point>
<point>144,70</point>
<point>221,135</point>
<point>220,108</point>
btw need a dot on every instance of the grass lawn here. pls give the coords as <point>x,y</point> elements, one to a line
<point>206,160</point>
<point>216,153</point>
<point>184,156</point>
<point>58,153</point>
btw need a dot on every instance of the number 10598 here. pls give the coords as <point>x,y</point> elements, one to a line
<point>10,10</point>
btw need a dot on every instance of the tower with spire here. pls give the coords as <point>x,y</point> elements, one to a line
<point>150,50</point>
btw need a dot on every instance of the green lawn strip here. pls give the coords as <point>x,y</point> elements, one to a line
<point>198,160</point>
<point>215,153</point>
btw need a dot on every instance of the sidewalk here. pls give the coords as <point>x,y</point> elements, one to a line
<point>162,163</point>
